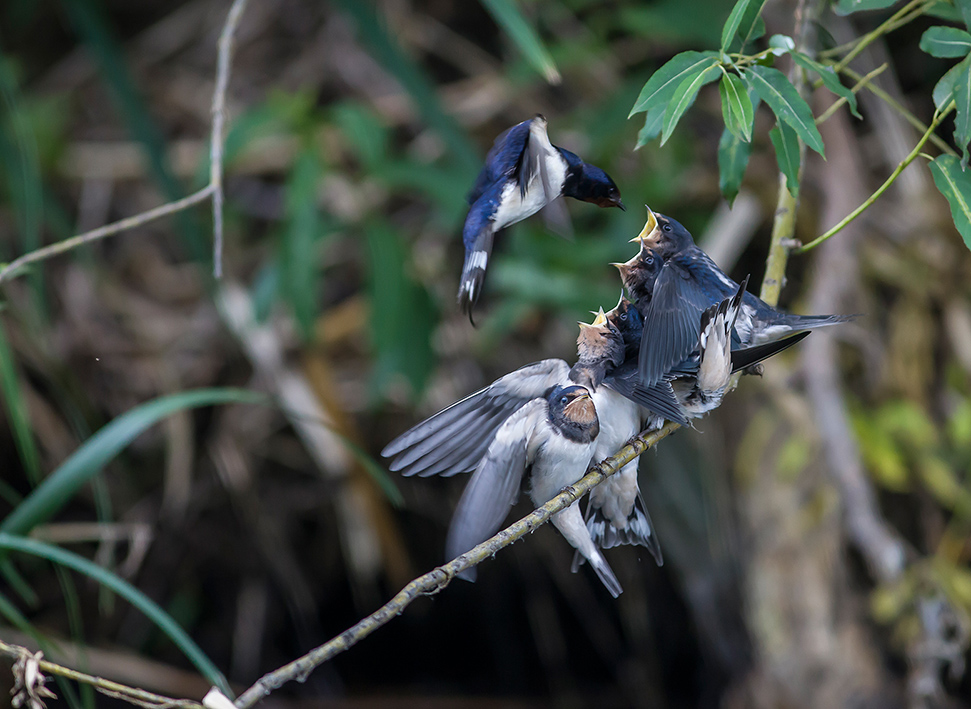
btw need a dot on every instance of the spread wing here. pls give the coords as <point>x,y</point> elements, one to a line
<point>658,398</point>
<point>504,158</point>
<point>455,439</point>
<point>494,487</point>
<point>671,324</point>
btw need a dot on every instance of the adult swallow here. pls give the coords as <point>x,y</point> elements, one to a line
<point>692,282</point>
<point>554,438</point>
<point>455,439</point>
<point>523,173</point>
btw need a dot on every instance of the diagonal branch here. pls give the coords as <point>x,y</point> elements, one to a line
<point>437,579</point>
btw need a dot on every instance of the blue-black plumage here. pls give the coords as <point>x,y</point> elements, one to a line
<point>523,173</point>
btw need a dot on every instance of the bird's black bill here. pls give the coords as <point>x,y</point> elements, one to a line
<point>745,358</point>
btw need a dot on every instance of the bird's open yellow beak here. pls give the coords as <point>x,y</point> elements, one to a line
<point>650,226</point>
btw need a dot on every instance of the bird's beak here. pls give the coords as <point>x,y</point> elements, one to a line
<point>650,226</point>
<point>600,320</point>
<point>620,204</point>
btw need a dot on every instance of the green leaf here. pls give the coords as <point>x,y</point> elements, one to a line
<point>742,26</point>
<point>736,107</point>
<point>143,603</point>
<point>772,86</point>
<point>845,7</point>
<point>664,82</point>
<point>17,414</point>
<point>786,144</point>
<point>733,157</point>
<point>946,42</point>
<point>964,6</point>
<point>781,44</point>
<point>402,314</point>
<point>101,448</point>
<point>730,27</point>
<point>684,96</point>
<point>944,90</point>
<point>962,117</point>
<point>829,78</point>
<point>955,184</point>
<point>301,237</point>
<point>507,15</point>
<point>653,122</point>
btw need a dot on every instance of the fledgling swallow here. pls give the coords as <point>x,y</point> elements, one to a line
<point>616,513</point>
<point>554,438</point>
<point>523,173</point>
<point>696,283</point>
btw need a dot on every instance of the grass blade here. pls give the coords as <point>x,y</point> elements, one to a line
<point>103,446</point>
<point>13,402</point>
<point>139,600</point>
<point>507,15</point>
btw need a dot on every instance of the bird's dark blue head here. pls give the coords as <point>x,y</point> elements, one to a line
<point>588,183</point>
<point>573,413</point>
<point>671,237</point>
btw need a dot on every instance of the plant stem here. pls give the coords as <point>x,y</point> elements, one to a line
<point>882,188</point>
<point>913,120</point>
<point>838,103</point>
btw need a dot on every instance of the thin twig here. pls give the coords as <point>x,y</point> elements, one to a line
<point>218,121</point>
<point>113,689</point>
<point>882,188</point>
<point>11,269</point>
<point>913,9</point>
<point>913,120</point>
<point>861,83</point>
<point>437,579</point>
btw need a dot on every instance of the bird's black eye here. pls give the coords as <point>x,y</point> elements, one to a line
<point>649,260</point>
<point>666,227</point>
<point>564,399</point>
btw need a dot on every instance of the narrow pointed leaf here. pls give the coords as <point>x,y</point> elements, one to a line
<point>829,78</point>
<point>730,27</point>
<point>955,184</point>
<point>775,89</point>
<point>946,42</point>
<point>786,145</point>
<point>747,26</point>
<point>653,122</point>
<point>661,86</point>
<point>964,7</point>
<point>733,157</point>
<point>684,96</point>
<point>143,603</point>
<point>944,90</point>
<point>101,448</point>
<point>736,107</point>
<point>17,414</point>
<point>509,16</point>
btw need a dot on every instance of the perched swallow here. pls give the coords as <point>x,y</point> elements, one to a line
<point>523,173</point>
<point>616,513</point>
<point>693,283</point>
<point>554,438</point>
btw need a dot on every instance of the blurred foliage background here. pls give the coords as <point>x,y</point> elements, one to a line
<point>356,129</point>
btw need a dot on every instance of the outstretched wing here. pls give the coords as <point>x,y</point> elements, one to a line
<point>503,159</point>
<point>455,439</point>
<point>494,487</point>
<point>671,323</point>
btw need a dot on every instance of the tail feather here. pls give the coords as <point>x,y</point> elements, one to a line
<point>474,270</point>
<point>606,574</point>
<point>748,356</point>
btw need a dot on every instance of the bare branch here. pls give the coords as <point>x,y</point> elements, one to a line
<point>218,121</point>
<point>13,269</point>
<point>437,579</point>
<point>132,695</point>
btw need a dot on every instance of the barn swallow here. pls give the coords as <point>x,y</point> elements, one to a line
<point>523,173</point>
<point>694,283</point>
<point>554,438</point>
